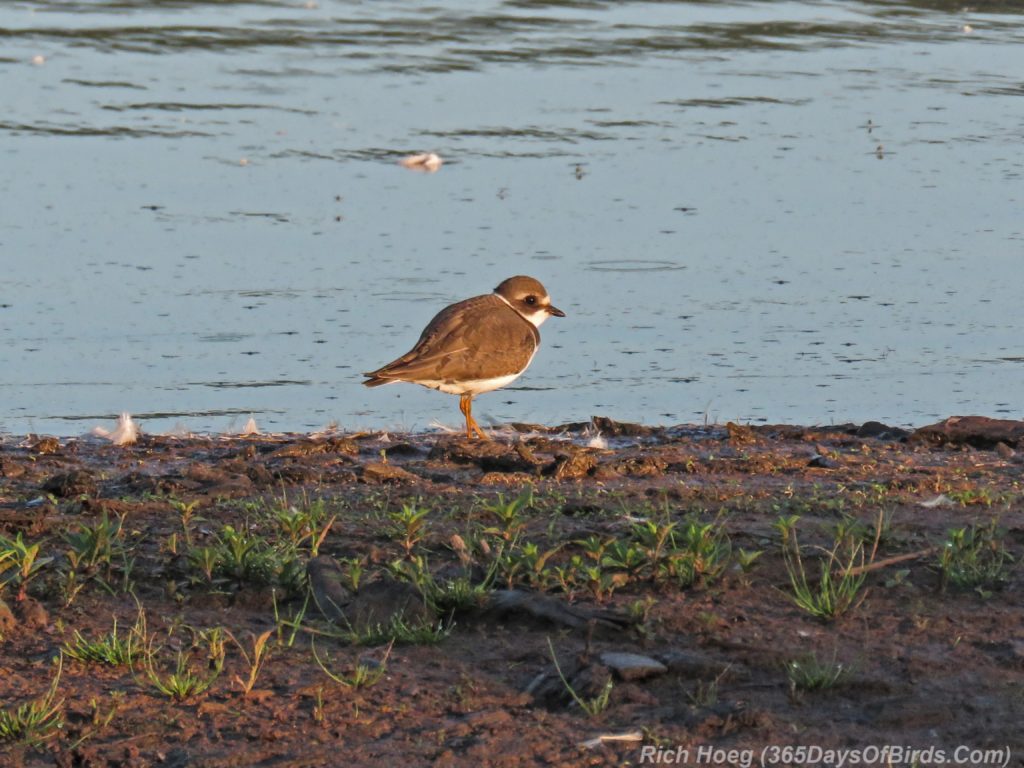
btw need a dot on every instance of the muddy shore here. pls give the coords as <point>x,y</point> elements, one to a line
<point>655,565</point>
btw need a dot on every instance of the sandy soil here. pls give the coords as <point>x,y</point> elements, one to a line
<point>925,655</point>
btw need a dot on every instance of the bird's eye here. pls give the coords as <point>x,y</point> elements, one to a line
<point>531,300</point>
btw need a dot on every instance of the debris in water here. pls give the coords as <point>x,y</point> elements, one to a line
<point>425,162</point>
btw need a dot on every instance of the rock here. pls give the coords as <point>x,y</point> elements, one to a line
<point>378,472</point>
<point>78,482</point>
<point>643,466</point>
<point>822,462</point>
<point>1005,451</point>
<point>324,575</point>
<point>376,603</point>
<point>45,445</point>
<point>977,431</point>
<point>881,431</point>
<point>7,621</point>
<point>538,606</point>
<point>489,455</point>
<point>611,428</point>
<point>690,663</point>
<point>31,614</point>
<point>574,466</point>
<point>11,469</point>
<point>632,666</point>
<point>740,434</point>
<point>302,448</point>
<point>506,478</point>
<point>382,602</point>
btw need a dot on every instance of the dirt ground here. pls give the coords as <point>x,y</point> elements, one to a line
<point>452,588</point>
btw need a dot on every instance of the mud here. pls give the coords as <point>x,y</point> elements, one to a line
<point>924,662</point>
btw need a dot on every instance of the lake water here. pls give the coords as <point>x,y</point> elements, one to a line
<point>760,211</point>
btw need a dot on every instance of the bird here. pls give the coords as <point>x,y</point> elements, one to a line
<point>476,345</point>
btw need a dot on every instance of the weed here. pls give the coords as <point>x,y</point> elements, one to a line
<point>833,595</point>
<point>705,694</point>
<point>255,662</point>
<point>974,557</point>
<point>746,560</point>
<point>294,623</point>
<point>593,706</point>
<point>111,649</point>
<point>509,514</point>
<point>37,720</point>
<point>808,673</point>
<point>19,563</point>
<point>410,526</point>
<point>239,556</point>
<point>398,630</point>
<point>183,682</point>
<point>364,675</point>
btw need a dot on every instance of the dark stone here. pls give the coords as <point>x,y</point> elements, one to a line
<point>976,431</point>
<point>489,455</point>
<point>881,431</point>
<point>78,482</point>
<point>376,603</point>
<point>632,666</point>
<point>379,472</point>
<point>611,428</point>
<point>573,466</point>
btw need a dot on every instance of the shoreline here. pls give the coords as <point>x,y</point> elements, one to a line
<point>655,570</point>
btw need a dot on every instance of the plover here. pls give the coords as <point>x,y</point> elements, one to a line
<point>476,345</point>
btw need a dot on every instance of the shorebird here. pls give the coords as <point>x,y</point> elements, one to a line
<point>475,346</point>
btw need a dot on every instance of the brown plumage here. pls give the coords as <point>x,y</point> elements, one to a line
<point>476,345</point>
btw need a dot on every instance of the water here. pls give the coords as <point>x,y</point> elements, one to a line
<point>769,212</point>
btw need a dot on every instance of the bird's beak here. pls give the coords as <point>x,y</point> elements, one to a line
<point>553,310</point>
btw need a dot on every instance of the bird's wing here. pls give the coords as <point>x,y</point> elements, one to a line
<point>466,339</point>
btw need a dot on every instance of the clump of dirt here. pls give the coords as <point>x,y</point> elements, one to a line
<point>542,599</point>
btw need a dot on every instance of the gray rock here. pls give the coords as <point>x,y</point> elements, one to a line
<point>632,666</point>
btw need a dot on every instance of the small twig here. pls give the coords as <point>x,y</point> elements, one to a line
<point>879,564</point>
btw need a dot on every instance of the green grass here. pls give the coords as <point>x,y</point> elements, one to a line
<point>111,649</point>
<point>974,558</point>
<point>35,721</point>
<point>20,563</point>
<point>398,630</point>
<point>839,586</point>
<point>808,673</point>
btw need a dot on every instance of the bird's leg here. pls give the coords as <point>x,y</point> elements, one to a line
<point>466,406</point>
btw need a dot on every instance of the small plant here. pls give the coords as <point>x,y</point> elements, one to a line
<point>509,514</point>
<point>294,623</point>
<point>697,552</point>
<point>839,586</point>
<point>705,693</point>
<point>111,649</point>
<point>37,720</point>
<point>808,673</point>
<point>974,557</point>
<point>410,526</point>
<point>187,512</point>
<point>398,630</point>
<point>255,662</point>
<point>183,682</point>
<point>238,556</point>
<point>786,526</point>
<point>364,675</point>
<point>19,563</point>
<point>592,706</point>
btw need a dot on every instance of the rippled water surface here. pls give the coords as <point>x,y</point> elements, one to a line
<point>763,211</point>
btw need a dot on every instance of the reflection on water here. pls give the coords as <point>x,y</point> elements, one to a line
<point>768,211</point>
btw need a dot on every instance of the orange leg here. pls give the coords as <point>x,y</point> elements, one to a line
<point>466,406</point>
